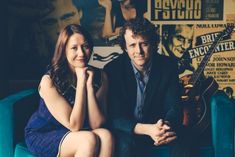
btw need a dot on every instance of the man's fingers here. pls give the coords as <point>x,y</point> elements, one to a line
<point>167,122</point>
<point>169,139</point>
<point>166,127</point>
<point>165,141</point>
<point>165,138</point>
<point>160,122</point>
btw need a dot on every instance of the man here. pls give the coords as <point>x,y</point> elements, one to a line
<point>177,39</point>
<point>119,11</point>
<point>64,13</point>
<point>143,95</point>
<point>32,42</point>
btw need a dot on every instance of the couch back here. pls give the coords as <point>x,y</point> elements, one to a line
<point>22,111</point>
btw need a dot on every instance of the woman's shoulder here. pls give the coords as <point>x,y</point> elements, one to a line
<point>45,83</point>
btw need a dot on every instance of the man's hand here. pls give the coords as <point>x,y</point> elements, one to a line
<point>161,133</point>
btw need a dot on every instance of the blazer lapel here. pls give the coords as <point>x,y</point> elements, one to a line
<point>129,84</point>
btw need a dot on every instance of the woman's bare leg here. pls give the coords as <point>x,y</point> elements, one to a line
<point>80,144</point>
<point>106,142</point>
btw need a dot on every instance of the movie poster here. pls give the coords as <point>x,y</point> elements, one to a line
<point>186,10</point>
<point>34,26</point>
<point>221,65</point>
<point>189,28</point>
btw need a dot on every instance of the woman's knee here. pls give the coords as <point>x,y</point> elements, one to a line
<point>90,142</point>
<point>105,135</point>
<point>81,142</point>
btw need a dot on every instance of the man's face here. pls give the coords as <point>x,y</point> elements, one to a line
<point>138,49</point>
<point>64,13</point>
<point>181,40</point>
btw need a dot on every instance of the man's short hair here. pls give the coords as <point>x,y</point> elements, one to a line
<point>140,27</point>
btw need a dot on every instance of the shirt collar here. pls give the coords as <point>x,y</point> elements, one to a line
<point>147,71</point>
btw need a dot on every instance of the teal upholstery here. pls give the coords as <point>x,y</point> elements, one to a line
<point>22,151</point>
<point>7,141</point>
<point>16,109</point>
<point>222,111</point>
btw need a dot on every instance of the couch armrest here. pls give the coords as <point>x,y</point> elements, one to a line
<point>222,112</point>
<point>6,121</point>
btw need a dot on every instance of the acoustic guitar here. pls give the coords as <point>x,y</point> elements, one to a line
<point>198,91</point>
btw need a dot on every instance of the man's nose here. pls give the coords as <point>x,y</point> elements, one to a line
<point>185,44</point>
<point>139,49</point>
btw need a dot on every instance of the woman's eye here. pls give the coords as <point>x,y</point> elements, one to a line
<point>74,48</point>
<point>85,46</point>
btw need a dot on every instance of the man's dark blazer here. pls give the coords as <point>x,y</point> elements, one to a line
<point>162,93</point>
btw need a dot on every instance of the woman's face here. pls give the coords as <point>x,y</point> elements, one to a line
<point>77,51</point>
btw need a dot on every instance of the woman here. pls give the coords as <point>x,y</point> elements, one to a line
<point>73,103</point>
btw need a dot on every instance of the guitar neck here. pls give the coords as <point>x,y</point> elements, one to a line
<point>196,75</point>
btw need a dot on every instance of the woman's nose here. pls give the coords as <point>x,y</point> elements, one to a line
<point>80,52</point>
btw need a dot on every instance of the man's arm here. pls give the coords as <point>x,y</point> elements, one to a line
<point>118,118</point>
<point>172,101</point>
<point>159,132</point>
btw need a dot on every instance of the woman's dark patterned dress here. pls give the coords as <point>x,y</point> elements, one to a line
<point>43,132</point>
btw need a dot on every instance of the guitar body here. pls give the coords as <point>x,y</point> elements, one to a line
<point>196,104</point>
<point>198,91</point>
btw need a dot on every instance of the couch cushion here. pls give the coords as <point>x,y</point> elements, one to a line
<point>22,151</point>
<point>160,152</point>
<point>207,151</point>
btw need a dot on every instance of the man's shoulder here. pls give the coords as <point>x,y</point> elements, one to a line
<point>165,61</point>
<point>116,63</point>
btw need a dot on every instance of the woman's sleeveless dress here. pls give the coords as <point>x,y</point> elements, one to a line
<point>43,133</point>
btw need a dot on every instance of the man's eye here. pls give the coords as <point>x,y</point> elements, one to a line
<point>145,44</point>
<point>68,19</point>
<point>49,22</point>
<point>67,16</point>
<point>180,38</point>
<point>132,45</point>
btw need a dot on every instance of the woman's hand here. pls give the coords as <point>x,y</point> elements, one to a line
<point>81,74</point>
<point>90,77</point>
<point>107,4</point>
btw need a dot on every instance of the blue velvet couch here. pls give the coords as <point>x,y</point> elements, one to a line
<point>16,109</point>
